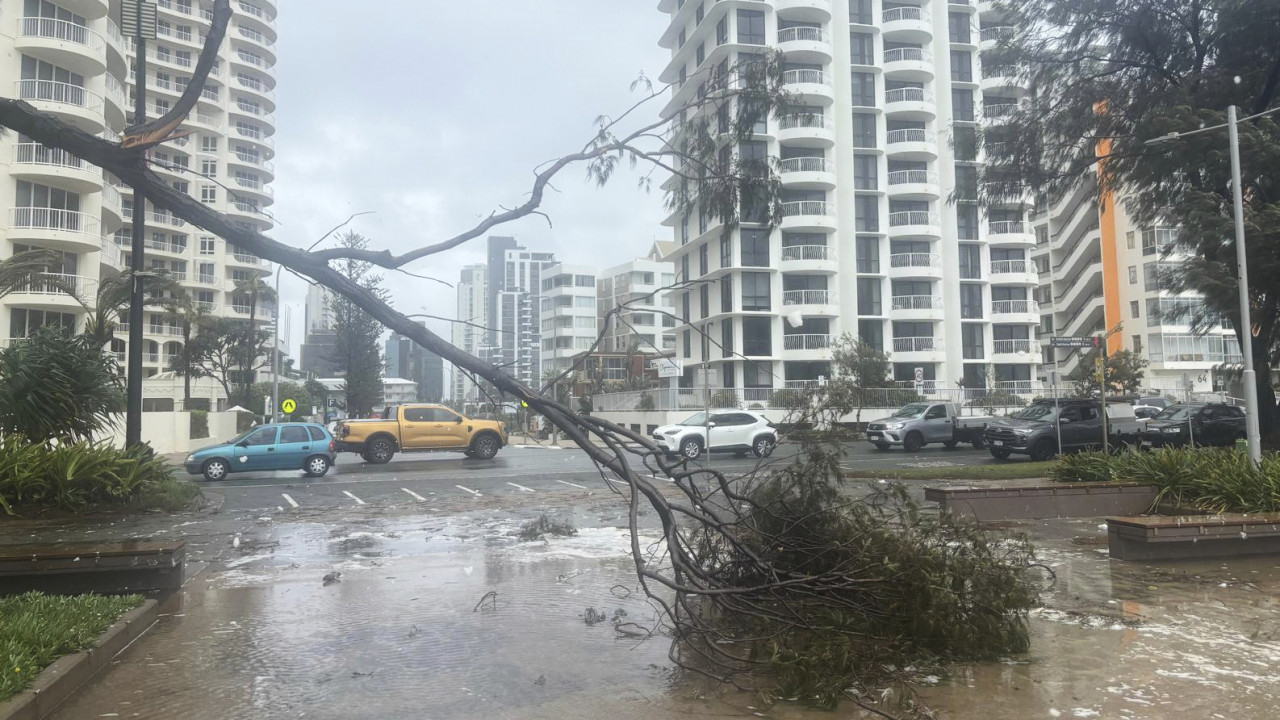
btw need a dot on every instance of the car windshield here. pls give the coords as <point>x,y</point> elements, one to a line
<point>696,419</point>
<point>1037,411</point>
<point>912,410</point>
<point>1176,413</point>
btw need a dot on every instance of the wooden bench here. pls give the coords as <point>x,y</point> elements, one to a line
<point>1159,537</point>
<point>110,567</point>
<point>1038,502</point>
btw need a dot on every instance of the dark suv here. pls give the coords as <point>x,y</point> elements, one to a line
<point>1196,424</point>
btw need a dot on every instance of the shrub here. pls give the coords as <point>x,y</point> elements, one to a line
<point>56,387</point>
<point>199,424</point>
<point>81,476</point>
<point>544,526</point>
<point>646,402</point>
<point>724,399</point>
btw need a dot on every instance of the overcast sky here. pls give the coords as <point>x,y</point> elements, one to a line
<point>432,114</point>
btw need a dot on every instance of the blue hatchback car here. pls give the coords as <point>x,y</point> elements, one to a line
<point>287,446</point>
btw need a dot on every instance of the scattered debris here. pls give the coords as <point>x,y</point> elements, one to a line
<point>331,578</point>
<point>357,673</point>
<point>543,526</point>
<point>414,631</point>
<point>542,680</point>
<point>618,615</point>
<point>593,617</point>
<point>620,591</point>
<point>631,629</point>
<point>491,597</point>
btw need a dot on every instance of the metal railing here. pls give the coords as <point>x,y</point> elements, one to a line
<point>917,344</point>
<point>912,260</point>
<point>804,120</point>
<point>164,246</point>
<point>1001,71</point>
<point>809,297</point>
<point>166,330</point>
<point>909,135</point>
<point>916,302</point>
<point>914,177</point>
<point>40,218</point>
<point>806,342</point>
<point>804,207</point>
<point>803,34</point>
<point>909,94</point>
<point>914,217</point>
<point>808,252</point>
<point>1008,227</point>
<point>63,30</point>
<point>905,13</point>
<point>908,55</point>
<point>1009,267</point>
<point>31,153</point>
<point>59,284</point>
<point>59,92</point>
<point>998,33</point>
<point>806,77</point>
<point>1011,307</point>
<point>1011,347</point>
<point>999,110</point>
<point>806,164</point>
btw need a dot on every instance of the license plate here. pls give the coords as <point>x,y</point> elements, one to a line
<point>997,443</point>
<point>873,435</point>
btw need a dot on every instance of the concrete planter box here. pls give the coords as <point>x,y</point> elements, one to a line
<point>64,677</point>
<point>107,568</point>
<point>1038,502</point>
<point>1158,537</point>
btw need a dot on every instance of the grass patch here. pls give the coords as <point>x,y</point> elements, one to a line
<point>37,629</point>
<point>993,471</point>
<point>544,526</point>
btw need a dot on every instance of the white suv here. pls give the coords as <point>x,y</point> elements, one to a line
<point>735,431</point>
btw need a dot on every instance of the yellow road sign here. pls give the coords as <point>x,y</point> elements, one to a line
<point>288,406</point>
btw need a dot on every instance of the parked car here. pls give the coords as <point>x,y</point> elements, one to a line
<point>1196,424</point>
<point>420,428</point>
<point>735,431</point>
<point>1034,430</point>
<point>918,424</point>
<point>287,446</point>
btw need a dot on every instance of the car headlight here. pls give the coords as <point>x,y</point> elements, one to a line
<point>894,426</point>
<point>191,458</point>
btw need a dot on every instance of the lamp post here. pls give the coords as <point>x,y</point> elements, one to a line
<point>1249,377</point>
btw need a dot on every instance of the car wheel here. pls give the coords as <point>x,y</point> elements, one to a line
<point>913,442</point>
<point>1044,449</point>
<point>216,469</point>
<point>691,449</point>
<point>999,454</point>
<point>484,447</point>
<point>979,444</point>
<point>380,451</point>
<point>317,466</point>
<point>883,446</point>
<point>950,444</point>
<point>763,447</point>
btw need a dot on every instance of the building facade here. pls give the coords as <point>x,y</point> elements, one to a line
<point>68,58</point>
<point>514,287</point>
<point>567,316</point>
<point>407,359</point>
<point>469,333</point>
<point>646,322</point>
<point>882,236</point>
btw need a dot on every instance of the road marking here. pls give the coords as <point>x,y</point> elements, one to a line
<point>514,485</point>
<point>467,489</point>
<point>580,487</point>
<point>664,479</point>
<point>291,501</point>
<point>414,495</point>
<point>353,497</point>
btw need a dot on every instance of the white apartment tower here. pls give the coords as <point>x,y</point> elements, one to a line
<point>882,235</point>
<point>468,333</point>
<point>647,322</point>
<point>568,315</point>
<point>514,287</point>
<point>68,58</point>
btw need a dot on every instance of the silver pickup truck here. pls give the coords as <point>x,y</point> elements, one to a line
<point>919,424</point>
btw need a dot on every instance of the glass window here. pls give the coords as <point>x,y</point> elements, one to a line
<point>726,338</point>
<point>1133,309</point>
<point>970,301</point>
<point>869,296</point>
<point>871,332</point>
<point>757,375</point>
<point>704,300</point>
<point>726,294</point>
<point>751,27</point>
<point>757,336</point>
<point>966,143</point>
<point>961,66</point>
<point>864,172</point>
<point>966,182</point>
<point>970,261</point>
<point>866,213</point>
<point>294,434</point>
<point>260,437</point>
<point>868,254</point>
<point>971,341</point>
<point>726,251</point>
<point>962,105</point>
<point>958,28</point>
<point>755,291</point>
<point>703,252</point>
<point>722,31</point>
<point>864,130</point>
<point>755,248</point>
<point>864,89</point>
<point>862,48</point>
<point>967,222</point>
<point>860,12</point>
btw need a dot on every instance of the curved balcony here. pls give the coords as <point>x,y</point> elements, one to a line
<point>253,261</point>
<point>67,230</point>
<point>806,345</point>
<point>62,43</point>
<point>90,9</point>
<point>253,32</point>
<point>914,224</point>
<point>915,265</point>
<point>914,64</point>
<point>914,185</point>
<point>1003,79</point>
<point>919,349</point>
<point>1015,311</point>
<point>804,10</point>
<point>265,168</point>
<point>1011,233</point>
<point>809,259</point>
<point>55,291</point>
<point>40,163</point>
<point>915,307</point>
<point>265,193</point>
<point>807,172</point>
<point>112,205</point>
<point>909,104</point>
<point>117,105</point>
<point>991,37</point>
<point>807,130</point>
<point>813,215</point>
<point>810,86</point>
<point>72,103</point>
<point>1014,272</point>
<point>998,114</point>
<point>907,24</point>
<point>812,302</point>
<point>805,44</point>
<point>1015,351</point>
<point>912,144</point>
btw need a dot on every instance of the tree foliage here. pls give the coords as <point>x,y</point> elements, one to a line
<point>57,387</point>
<point>1107,77</point>
<point>856,366</point>
<point>357,350</point>
<point>1124,372</point>
<point>218,351</point>
<point>288,391</point>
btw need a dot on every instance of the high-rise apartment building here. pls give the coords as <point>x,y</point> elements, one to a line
<point>646,321</point>
<point>406,359</point>
<point>514,284</point>
<point>68,58</point>
<point>882,236</point>
<point>469,333</point>
<point>319,308</point>
<point>567,316</point>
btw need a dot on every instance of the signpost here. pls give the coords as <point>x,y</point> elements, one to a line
<point>919,380</point>
<point>288,406</point>
<point>1082,342</point>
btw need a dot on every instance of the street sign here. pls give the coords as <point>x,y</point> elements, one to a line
<point>919,374</point>
<point>1081,341</point>
<point>288,406</point>
<point>669,367</point>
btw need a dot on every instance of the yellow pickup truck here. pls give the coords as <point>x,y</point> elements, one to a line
<point>420,428</point>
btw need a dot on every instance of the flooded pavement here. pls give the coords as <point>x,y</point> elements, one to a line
<point>404,634</point>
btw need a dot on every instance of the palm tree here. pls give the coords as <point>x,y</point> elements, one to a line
<point>257,289</point>
<point>25,269</point>
<point>187,313</point>
<point>113,297</point>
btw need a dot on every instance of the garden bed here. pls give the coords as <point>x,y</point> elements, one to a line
<point>992,471</point>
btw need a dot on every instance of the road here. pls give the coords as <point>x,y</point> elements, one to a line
<point>522,471</point>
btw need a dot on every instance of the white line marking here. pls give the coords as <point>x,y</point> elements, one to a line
<point>664,479</point>
<point>467,489</point>
<point>353,497</point>
<point>414,495</point>
<point>521,487</point>
<point>580,487</point>
<point>291,501</point>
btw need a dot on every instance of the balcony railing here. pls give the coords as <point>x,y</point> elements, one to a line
<point>1009,347</point>
<point>1000,110</point>
<point>913,177</point>
<point>808,252</point>
<point>59,92</point>
<point>241,309</point>
<point>1009,267</point>
<point>915,217</point>
<point>803,34</point>
<point>51,29</point>
<point>806,342</point>
<point>998,33</point>
<point>805,77</point>
<point>909,94</point>
<point>805,120</point>
<point>1008,227</point>
<point>153,358</point>
<point>908,55</point>
<point>804,207</point>
<point>166,330</point>
<point>37,154</point>
<point>59,284</point>
<point>207,279</point>
<point>1001,71</point>
<point>164,246</point>
<point>916,302</point>
<point>917,344</point>
<point>806,164</point>
<point>905,13</point>
<point>40,218</point>
<point>910,135</point>
<point>914,260</point>
<point>1011,307</point>
<point>809,297</point>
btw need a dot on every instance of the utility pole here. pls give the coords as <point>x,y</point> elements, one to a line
<point>1102,382</point>
<point>138,16</point>
<point>1246,323</point>
<point>275,356</point>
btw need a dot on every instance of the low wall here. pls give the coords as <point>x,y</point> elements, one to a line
<point>170,432</point>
